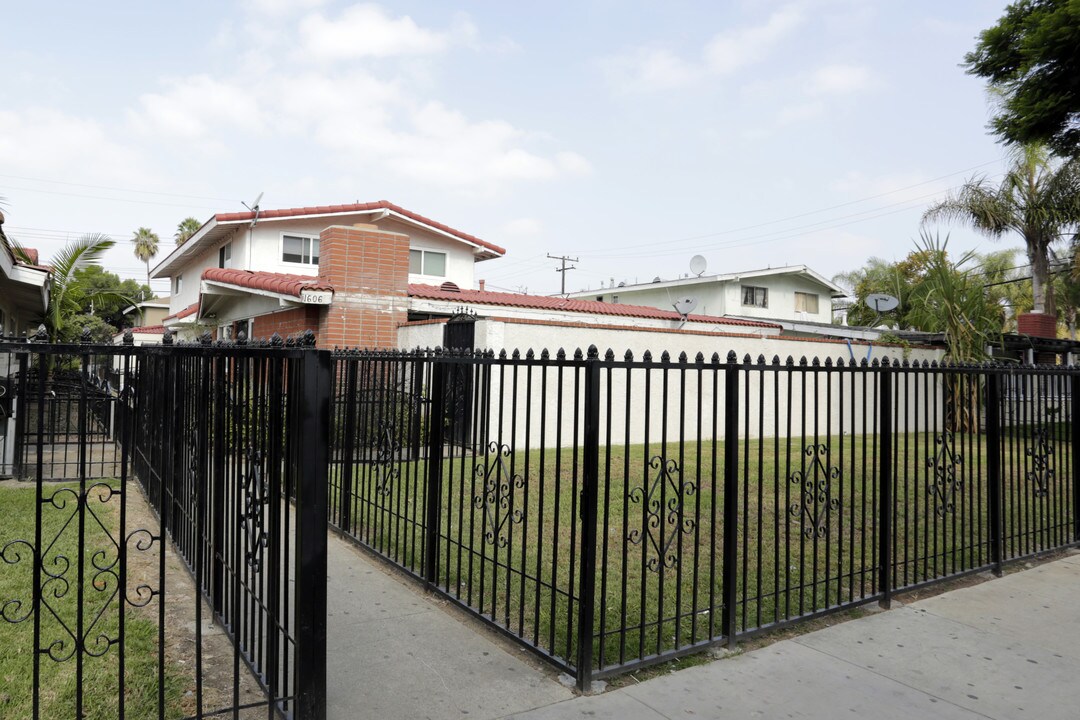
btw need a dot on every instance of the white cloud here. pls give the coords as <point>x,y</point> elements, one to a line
<point>367,31</point>
<point>194,107</point>
<point>357,116</point>
<point>839,79</point>
<point>732,50</point>
<point>277,8</point>
<point>651,69</point>
<point>799,113</point>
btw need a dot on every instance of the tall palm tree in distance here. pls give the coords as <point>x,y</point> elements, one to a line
<point>1038,199</point>
<point>146,247</point>
<point>187,227</point>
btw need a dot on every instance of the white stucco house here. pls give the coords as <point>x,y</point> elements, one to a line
<point>793,293</point>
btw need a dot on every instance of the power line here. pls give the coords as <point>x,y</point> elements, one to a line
<point>112,199</point>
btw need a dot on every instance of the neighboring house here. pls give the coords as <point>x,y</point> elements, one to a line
<point>342,271</point>
<point>794,293</point>
<point>148,313</point>
<point>24,290</point>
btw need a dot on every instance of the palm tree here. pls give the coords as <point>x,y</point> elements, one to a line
<point>1038,199</point>
<point>146,247</point>
<point>67,296</point>
<point>187,227</point>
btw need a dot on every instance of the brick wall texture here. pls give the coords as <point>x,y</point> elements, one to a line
<point>287,322</point>
<point>369,270</point>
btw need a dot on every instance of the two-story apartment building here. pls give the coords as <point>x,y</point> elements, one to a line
<point>793,293</point>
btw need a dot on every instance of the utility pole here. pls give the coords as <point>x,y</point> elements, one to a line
<point>564,259</point>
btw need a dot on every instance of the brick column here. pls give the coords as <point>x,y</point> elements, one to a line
<point>369,271</point>
<point>1039,325</point>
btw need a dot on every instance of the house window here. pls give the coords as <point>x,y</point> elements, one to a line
<point>755,296</point>
<point>806,302</point>
<point>178,284</point>
<point>224,255</point>
<point>300,249</point>
<point>427,262</point>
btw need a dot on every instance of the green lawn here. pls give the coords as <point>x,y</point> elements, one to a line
<point>58,681</point>
<point>518,563</point>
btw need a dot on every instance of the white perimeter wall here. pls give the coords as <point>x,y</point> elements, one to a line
<point>693,403</point>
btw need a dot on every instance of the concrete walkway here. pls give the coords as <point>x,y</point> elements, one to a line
<point>1006,649</point>
<point>393,652</point>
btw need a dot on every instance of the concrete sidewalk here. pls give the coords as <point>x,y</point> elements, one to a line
<point>1006,649</point>
<point>393,652</point>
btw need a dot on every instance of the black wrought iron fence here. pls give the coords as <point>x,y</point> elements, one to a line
<point>610,513</point>
<point>111,620</point>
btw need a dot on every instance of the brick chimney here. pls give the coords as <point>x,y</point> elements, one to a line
<point>481,286</point>
<point>369,271</point>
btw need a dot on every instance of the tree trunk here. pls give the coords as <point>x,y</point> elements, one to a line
<point>1072,323</point>
<point>1040,278</point>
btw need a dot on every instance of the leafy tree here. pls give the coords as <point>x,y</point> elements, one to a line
<point>108,295</point>
<point>68,295</point>
<point>877,276</point>
<point>146,247</point>
<point>1031,60</point>
<point>185,229</point>
<point>72,329</point>
<point>1038,199</point>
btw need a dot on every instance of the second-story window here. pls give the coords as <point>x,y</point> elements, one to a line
<point>300,249</point>
<point>224,255</point>
<point>806,302</point>
<point>755,296</point>
<point>178,284</point>
<point>427,262</point>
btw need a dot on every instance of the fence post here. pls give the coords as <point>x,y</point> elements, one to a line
<point>993,470</point>
<point>1074,427</point>
<point>20,406</point>
<point>311,533</point>
<point>348,442</point>
<point>731,497</point>
<point>433,485</point>
<point>217,492</point>
<point>885,482</point>
<point>590,477</point>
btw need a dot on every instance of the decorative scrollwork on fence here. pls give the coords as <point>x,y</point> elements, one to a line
<point>816,501</point>
<point>1042,470</point>
<point>662,500</point>
<point>945,485</point>
<point>386,449</point>
<point>17,610</point>
<point>497,494</point>
<point>143,541</point>
<point>252,517</point>
<point>56,572</point>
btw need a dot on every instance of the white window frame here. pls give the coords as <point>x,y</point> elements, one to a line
<point>225,255</point>
<point>178,284</point>
<point>742,296</point>
<point>423,261</point>
<point>815,296</point>
<point>281,248</point>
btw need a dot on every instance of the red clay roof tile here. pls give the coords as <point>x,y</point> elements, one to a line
<point>281,283</point>
<point>544,302</point>
<point>189,310</point>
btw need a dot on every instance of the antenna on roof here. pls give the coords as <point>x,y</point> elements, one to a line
<point>881,303</point>
<point>253,207</point>
<point>684,306</point>
<point>698,265</point>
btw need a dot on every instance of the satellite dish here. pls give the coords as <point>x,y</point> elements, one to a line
<point>684,306</point>
<point>253,207</point>
<point>698,265</point>
<point>881,303</point>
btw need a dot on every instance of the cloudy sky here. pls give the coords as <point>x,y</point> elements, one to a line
<point>631,135</point>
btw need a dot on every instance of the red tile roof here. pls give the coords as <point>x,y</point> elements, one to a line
<point>31,255</point>
<point>147,330</point>
<point>281,283</point>
<point>189,310</point>
<point>357,207</point>
<point>594,307</point>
